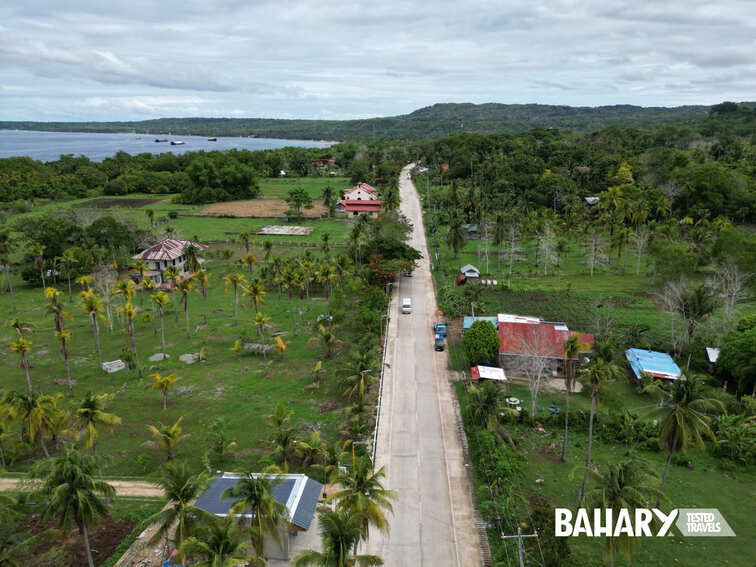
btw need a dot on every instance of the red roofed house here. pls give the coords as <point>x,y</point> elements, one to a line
<point>354,207</point>
<point>361,192</point>
<point>168,252</point>
<point>521,338</point>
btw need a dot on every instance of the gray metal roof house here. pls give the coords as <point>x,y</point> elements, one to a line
<point>299,493</point>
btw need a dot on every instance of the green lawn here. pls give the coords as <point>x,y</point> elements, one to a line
<point>280,187</point>
<point>242,389</point>
<point>704,486</point>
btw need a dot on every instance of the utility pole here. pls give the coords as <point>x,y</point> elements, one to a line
<point>519,537</point>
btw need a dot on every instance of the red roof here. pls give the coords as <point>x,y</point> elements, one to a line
<point>536,339</point>
<point>168,249</point>
<point>358,205</point>
<point>365,187</point>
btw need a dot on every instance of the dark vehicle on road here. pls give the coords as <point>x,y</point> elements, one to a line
<point>438,344</point>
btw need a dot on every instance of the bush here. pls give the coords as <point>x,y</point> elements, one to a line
<point>481,343</point>
<point>449,302</point>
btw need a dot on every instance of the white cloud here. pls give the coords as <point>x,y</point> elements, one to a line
<point>346,59</point>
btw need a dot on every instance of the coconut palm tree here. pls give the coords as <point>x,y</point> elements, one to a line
<point>186,287</point>
<point>217,542</point>
<point>71,490</point>
<point>55,308</point>
<point>21,346</point>
<point>572,347</point>
<point>326,337</point>
<point>7,245</point>
<point>85,281</point>
<point>91,414</point>
<point>150,216</point>
<point>311,450</point>
<point>254,500</point>
<point>250,261</point>
<point>160,300</point>
<point>92,305</point>
<point>22,328</point>
<point>340,532</point>
<point>163,383</point>
<point>172,274</point>
<point>363,494</point>
<point>325,246</point>
<point>129,313</point>
<point>629,485</point>
<point>64,337</point>
<point>268,250</point>
<point>140,267</point>
<point>203,279</point>
<point>358,374</point>
<point>36,251</point>
<point>67,261</point>
<point>166,438</point>
<point>192,263</point>
<point>34,412</point>
<point>261,321</point>
<point>596,376</point>
<point>244,239</point>
<point>180,488</point>
<point>329,199</point>
<point>684,420</point>
<point>256,293</point>
<point>235,280</point>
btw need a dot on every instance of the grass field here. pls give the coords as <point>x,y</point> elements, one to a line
<point>241,388</point>
<point>704,486</point>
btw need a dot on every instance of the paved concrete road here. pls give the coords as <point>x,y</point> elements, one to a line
<point>418,442</point>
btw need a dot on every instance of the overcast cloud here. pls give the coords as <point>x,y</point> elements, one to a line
<point>86,60</point>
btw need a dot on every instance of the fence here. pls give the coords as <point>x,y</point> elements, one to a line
<point>380,381</point>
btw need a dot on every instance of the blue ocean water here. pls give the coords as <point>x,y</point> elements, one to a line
<point>48,146</point>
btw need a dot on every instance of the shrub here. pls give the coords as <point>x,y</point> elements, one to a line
<point>481,343</point>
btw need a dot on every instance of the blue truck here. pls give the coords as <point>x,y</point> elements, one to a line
<point>440,329</point>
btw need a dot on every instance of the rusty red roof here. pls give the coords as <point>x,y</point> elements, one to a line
<point>365,187</point>
<point>358,205</point>
<point>168,249</point>
<point>536,339</point>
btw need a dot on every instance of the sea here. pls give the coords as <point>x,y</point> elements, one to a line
<point>49,146</point>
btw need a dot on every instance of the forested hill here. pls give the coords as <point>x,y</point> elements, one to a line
<point>428,122</point>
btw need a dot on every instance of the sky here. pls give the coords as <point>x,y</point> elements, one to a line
<point>134,60</point>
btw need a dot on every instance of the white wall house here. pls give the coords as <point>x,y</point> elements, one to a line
<point>166,253</point>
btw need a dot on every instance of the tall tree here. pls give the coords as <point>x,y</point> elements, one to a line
<point>255,292</point>
<point>180,487</point>
<point>129,313</point>
<point>92,305</point>
<point>595,376</point>
<point>363,494</point>
<point>572,347</point>
<point>340,532</point>
<point>64,337</point>
<point>250,261</point>
<point>73,491</point>
<point>684,419</point>
<point>160,300</point>
<point>7,246</point>
<point>235,280</point>
<point>261,321</point>
<point>217,542</point>
<point>455,238</point>
<point>203,279</point>
<point>326,337</point>
<point>21,346</point>
<point>186,287</point>
<point>329,199</point>
<point>35,413</point>
<point>173,275</point>
<point>253,495</point>
<point>67,261</point>
<point>163,383</point>
<point>37,251</point>
<point>91,414</point>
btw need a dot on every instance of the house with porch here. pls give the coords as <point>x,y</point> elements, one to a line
<point>354,208</point>
<point>169,252</point>
<point>522,338</point>
<point>297,492</point>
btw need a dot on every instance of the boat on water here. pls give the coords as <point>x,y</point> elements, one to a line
<point>158,140</point>
<point>177,143</point>
<point>212,139</point>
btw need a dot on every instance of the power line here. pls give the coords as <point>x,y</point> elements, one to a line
<point>519,537</point>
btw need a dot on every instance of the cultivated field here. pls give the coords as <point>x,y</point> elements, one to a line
<point>261,208</point>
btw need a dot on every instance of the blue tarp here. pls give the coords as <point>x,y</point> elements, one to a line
<point>657,364</point>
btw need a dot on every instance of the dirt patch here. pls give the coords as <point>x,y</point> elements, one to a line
<point>273,208</point>
<point>103,540</point>
<point>121,203</point>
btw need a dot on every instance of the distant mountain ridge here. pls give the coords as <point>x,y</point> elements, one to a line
<point>431,121</point>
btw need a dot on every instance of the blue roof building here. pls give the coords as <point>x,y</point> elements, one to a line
<point>297,492</point>
<point>468,321</point>
<point>652,363</point>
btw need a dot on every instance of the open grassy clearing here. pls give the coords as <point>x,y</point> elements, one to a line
<point>241,388</point>
<point>280,187</point>
<point>706,485</point>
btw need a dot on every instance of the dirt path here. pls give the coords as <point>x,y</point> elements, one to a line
<point>133,488</point>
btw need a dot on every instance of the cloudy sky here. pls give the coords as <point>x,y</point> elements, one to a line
<point>88,60</point>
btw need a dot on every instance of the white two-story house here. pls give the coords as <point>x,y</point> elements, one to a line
<point>164,254</point>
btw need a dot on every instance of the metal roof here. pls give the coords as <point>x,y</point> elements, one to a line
<point>468,321</point>
<point>488,373</point>
<point>469,268</point>
<point>656,364</point>
<point>712,354</point>
<point>533,338</point>
<point>298,492</point>
<point>168,249</point>
<point>360,205</point>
